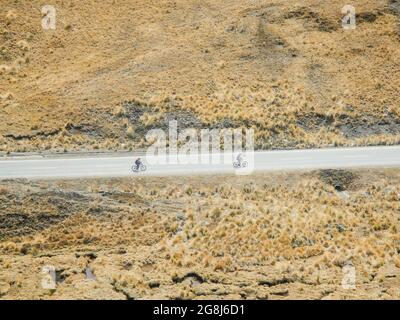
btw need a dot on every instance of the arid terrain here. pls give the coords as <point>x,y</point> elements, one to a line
<point>112,70</point>
<point>271,236</point>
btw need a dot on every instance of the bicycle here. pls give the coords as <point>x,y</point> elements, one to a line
<point>141,168</point>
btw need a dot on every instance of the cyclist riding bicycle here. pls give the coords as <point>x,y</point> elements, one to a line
<point>240,161</point>
<point>138,162</point>
<point>240,158</point>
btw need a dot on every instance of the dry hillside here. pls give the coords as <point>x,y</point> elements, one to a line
<point>114,69</point>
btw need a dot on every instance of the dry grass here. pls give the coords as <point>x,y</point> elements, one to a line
<point>254,237</point>
<point>296,76</point>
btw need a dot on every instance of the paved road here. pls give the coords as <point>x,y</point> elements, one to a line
<point>120,166</point>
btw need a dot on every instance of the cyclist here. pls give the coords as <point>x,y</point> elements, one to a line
<point>138,163</point>
<point>240,159</point>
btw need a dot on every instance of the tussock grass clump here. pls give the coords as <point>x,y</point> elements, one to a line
<point>23,45</point>
<point>130,131</point>
<point>119,111</point>
<point>11,16</point>
<point>4,69</point>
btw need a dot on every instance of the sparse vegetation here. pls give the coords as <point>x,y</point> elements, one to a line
<point>112,70</point>
<point>297,78</point>
<point>284,236</point>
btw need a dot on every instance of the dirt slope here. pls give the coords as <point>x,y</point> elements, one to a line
<point>275,236</point>
<point>113,69</point>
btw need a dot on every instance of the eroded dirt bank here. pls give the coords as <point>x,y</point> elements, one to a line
<point>267,237</point>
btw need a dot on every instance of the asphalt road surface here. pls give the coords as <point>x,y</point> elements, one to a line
<point>79,166</point>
